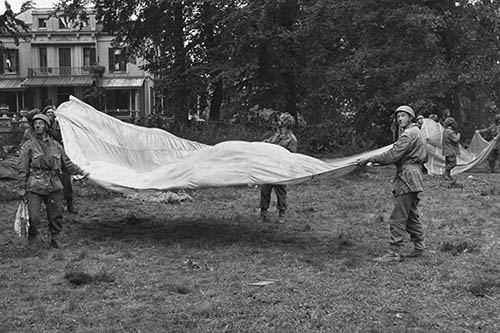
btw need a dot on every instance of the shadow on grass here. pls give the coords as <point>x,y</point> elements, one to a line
<point>213,233</point>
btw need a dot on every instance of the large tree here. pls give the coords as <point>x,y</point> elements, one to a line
<point>330,59</point>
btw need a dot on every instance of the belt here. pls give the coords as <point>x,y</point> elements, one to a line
<point>50,171</point>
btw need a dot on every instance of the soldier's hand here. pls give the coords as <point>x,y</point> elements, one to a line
<point>21,193</point>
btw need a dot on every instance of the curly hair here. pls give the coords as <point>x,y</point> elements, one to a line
<point>287,120</point>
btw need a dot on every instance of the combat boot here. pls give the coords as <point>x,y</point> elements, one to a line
<point>281,218</point>
<point>418,251</point>
<point>390,256</point>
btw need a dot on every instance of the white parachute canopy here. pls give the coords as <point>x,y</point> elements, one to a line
<point>121,156</point>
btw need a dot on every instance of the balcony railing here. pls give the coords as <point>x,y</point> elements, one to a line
<point>59,71</point>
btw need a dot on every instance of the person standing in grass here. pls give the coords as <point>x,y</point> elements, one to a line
<point>490,133</point>
<point>285,138</point>
<point>450,145</point>
<point>41,160</point>
<point>408,154</point>
<point>55,133</point>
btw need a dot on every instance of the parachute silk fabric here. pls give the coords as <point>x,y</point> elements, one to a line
<point>124,157</point>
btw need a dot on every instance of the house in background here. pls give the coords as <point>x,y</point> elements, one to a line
<point>56,61</point>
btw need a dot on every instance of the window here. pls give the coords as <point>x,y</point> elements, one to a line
<point>118,60</point>
<point>118,100</point>
<point>42,52</point>
<point>42,57</point>
<point>10,61</point>
<point>89,57</point>
<point>64,61</point>
<point>42,23</point>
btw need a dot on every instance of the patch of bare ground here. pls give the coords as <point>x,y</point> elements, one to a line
<point>210,266</point>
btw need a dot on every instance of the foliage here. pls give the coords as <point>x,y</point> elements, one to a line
<point>94,95</point>
<point>11,26</point>
<point>324,59</point>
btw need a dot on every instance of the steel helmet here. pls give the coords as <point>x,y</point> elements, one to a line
<point>43,117</point>
<point>407,109</point>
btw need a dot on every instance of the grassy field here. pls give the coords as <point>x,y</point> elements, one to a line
<point>132,266</point>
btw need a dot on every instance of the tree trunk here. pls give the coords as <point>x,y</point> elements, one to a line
<point>291,98</point>
<point>216,101</point>
<point>181,93</point>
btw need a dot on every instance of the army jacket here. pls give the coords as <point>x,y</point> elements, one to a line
<point>41,160</point>
<point>288,141</point>
<point>408,154</point>
<point>491,132</point>
<point>450,142</point>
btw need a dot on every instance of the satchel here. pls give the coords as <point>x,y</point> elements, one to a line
<point>22,221</point>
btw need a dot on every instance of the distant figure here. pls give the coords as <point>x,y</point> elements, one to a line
<point>450,146</point>
<point>286,139</point>
<point>29,133</point>
<point>489,134</point>
<point>420,121</point>
<point>446,114</point>
<point>55,133</point>
<point>434,117</point>
<point>407,154</point>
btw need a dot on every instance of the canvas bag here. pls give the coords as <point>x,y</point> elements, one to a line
<point>22,221</point>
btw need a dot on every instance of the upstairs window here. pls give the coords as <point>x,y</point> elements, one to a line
<point>117,60</point>
<point>89,57</point>
<point>42,59</point>
<point>10,61</point>
<point>42,23</point>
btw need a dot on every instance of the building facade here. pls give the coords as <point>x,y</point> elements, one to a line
<point>58,59</point>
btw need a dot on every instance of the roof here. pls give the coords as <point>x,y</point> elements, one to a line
<point>58,81</point>
<point>111,83</point>
<point>11,84</point>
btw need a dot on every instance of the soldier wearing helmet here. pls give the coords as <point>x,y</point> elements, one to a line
<point>450,146</point>
<point>285,138</point>
<point>41,160</point>
<point>55,133</point>
<point>408,154</point>
<point>29,133</point>
<point>490,133</point>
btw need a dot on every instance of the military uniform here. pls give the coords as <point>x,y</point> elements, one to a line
<point>450,146</point>
<point>408,154</point>
<point>41,161</point>
<point>55,133</point>
<point>491,132</point>
<point>288,141</point>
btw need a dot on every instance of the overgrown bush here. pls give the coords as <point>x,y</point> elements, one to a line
<point>327,139</point>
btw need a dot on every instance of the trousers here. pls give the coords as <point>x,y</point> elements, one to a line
<point>492,158</point>
<point>265,196</point>
<point>53,204</point>
<point>405,218</point>
<point>450,162</point>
